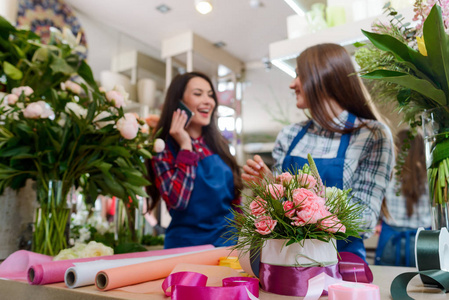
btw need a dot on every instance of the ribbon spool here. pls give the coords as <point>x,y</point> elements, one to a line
<point>432,252</point>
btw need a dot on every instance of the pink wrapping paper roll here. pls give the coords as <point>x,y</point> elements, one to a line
<point>353,291</point>
<point>133,274</point>
<point>16,266</point>
<point>54,271</point>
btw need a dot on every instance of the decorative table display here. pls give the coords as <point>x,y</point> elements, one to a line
<point>64,134</point>
<point>410,65</point>
<point>294,220</point>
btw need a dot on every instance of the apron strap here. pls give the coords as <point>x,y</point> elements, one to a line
<point>298,137</point>
<point>344,142</point>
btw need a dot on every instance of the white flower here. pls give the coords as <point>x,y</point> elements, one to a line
<point>11,99</point>
<point>84,234</point>
<point>25,89</point>
<point>128,126</point>
<point>39,109</point>
<point>102,115</point>
<point>77,109</point>
<point>72,86</point>
<point>159,145</point>
<point>119,88</point>
<point>94,249</point>
<point>66,254</point>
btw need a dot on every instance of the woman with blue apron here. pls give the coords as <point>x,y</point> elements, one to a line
<point>196,175</point>
<point>204,219</point>
<point>331,173</point>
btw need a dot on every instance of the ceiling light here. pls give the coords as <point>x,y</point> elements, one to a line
<point>163,8</point>
<point>203,6</point>
<point>295,6</point>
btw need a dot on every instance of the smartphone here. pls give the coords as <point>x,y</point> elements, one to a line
<point>189,113</point>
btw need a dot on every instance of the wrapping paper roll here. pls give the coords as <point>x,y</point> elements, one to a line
<point>16,266</point>
<point>432,249</point>
<point>54,271</point>
<point>133,274</point>
<point>353,291</point>
<point>83,274</point>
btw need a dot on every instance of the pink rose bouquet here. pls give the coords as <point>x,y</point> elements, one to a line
<point>295,206</point>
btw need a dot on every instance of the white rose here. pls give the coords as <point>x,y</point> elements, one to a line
<point>94,249</point>
<point>77,109</point>
<point>33,111</point>
<point>119,88</point>
<point>66,254</point>
<point>11,99</point>
<point>128,126</point>
<point>100,116</point>
<point>159,145</point>
<point>73,87</point>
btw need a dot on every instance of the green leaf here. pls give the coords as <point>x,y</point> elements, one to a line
<point>119,150</point>
<point>403,97</point>
<point>59,65</point>
<point>145,153</point>
<point>86,73</point>
<point>422,86</point>
<point>11,71</point>
<point>437,46</point>
<point>41,55</point>
<point>15,151</point>
<point>6,28</point>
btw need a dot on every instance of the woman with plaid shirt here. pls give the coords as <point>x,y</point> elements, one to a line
<point>195,175</point>
<point>350,147</point>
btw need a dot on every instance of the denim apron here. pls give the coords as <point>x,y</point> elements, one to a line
<point>331,173</point>
<point>204,219</point>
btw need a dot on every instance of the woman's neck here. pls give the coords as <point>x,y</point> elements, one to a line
<point>194,131</point>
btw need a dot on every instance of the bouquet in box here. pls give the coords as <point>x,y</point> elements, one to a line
<point>294,220</point>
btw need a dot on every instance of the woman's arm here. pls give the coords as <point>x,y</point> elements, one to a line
<point>372,175</point>
<point>175,177</point>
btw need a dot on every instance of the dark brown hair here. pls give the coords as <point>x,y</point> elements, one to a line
<point>413,173</point>
<point>326,72</point>
<point>212,136</point>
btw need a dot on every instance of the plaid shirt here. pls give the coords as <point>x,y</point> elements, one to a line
<point>398,211</point>
<point>175,177</point>
<point>368,162</point>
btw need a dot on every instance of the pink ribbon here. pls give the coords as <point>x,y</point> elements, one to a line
<point>192,285</point>
<point>293,281</point>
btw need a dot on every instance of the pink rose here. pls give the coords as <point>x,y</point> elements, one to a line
<point>289,208</point>
<point>284,178</point>
<point>298,222</point>
<point>116,98</point>
<point>302,195</point>
<point>25,89</point>
<point>276,190</point>
<point>257,206</point>
<point>128,126</point>
<point>307,181</point>
<point>11,99</point>
<point>159,145</point>
<point>265,225</point>
<point>311,213</point>
<point>332,224</point>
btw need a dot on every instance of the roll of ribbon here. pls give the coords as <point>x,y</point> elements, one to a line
<point>432,261</point>
<point>192,285</point>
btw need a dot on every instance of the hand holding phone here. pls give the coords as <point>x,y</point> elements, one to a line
<point>188,112</point>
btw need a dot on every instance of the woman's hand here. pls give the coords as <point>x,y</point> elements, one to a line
<point>255,170</point>
<point>178,132</point>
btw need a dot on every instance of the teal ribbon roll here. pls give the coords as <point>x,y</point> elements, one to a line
<point>432,261</point>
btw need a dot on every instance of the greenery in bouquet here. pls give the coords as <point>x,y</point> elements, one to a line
<point>53,128</point>
<point>295,206</point>
<point>411,67</point>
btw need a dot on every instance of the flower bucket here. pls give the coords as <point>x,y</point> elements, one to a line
<point>285,270</point>
<point>435,124</point>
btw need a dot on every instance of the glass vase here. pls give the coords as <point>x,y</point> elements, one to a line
<point>435,123</point>
<point>51,226</point>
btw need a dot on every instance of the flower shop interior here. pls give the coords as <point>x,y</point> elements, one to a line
<point>122,56</point>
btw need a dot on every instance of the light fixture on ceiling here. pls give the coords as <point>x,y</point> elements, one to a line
<point>295,6</point>
<point>163,8</point>
<point>203,6</point>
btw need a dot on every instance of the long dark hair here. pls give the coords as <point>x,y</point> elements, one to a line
<point>212,136</point>
<point>413,173</point>
<point>326,72</point>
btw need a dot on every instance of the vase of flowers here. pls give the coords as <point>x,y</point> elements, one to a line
<point>410,67</point>
<point>294,220</point>
<point>57,124</point>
